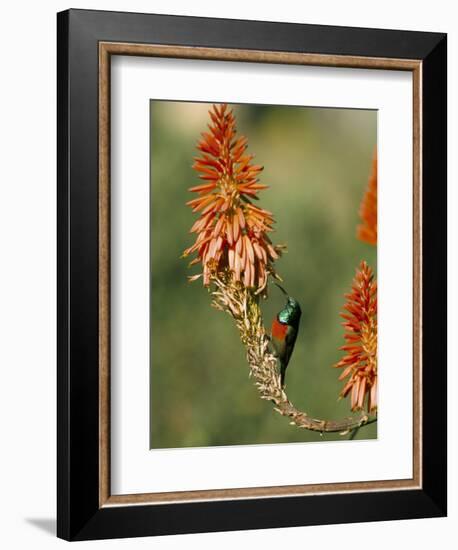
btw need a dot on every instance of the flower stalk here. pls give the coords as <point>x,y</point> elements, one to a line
<point>243,306</point>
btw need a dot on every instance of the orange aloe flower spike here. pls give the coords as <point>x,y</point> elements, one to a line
<point>231,231</point>
<point>367,230</point>
<point>359,363</point>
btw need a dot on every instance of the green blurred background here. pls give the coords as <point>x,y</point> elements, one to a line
<point>317,163</point>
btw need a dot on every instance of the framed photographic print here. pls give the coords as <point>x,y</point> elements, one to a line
<point>252,274</point>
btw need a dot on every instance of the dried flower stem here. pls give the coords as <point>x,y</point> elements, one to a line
<point>242,305</point>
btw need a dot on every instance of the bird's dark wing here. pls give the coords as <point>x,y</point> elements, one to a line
<point>290,340</point>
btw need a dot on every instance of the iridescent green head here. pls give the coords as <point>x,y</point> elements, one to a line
<point>291,313</point>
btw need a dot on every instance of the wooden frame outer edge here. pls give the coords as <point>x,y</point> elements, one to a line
<point>417,275</point>
<point>106,49</point>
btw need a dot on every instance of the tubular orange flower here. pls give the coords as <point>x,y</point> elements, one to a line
<point>367,231</point>
<point>231,230</point>
<point>360,361</point>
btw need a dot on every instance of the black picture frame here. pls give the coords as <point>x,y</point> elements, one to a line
<point>80,516</point>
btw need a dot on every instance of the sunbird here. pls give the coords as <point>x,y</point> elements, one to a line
<point>284,332</point>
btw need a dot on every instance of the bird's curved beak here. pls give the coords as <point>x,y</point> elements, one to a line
<point>282,289</point>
